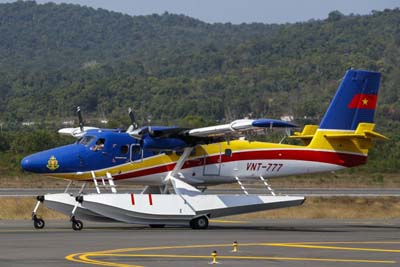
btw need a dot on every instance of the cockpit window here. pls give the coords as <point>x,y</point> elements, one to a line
<point>99,144</point>
<point>85,140</point>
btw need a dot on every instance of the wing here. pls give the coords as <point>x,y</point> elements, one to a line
<point>238,126</point>
<point>76,132</point>
<point>161,138</point>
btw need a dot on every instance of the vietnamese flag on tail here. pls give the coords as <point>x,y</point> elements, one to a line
<point>363,101</point>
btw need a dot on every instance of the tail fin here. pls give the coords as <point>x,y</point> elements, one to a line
<point>354,102</point>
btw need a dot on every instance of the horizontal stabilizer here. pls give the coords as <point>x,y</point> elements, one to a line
<point>363,131</point>
<point>307,133</point>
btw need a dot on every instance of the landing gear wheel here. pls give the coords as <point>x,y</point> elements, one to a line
<point>157,225</point>
<point>199,223</point>
<point>38,223</point>
<point>77,225</point>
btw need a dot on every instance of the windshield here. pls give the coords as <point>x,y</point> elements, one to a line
<point>85,140</point>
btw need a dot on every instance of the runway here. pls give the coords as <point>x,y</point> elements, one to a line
<point>260,243</point>
<point>353,192</point>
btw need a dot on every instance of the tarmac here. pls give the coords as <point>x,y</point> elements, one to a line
<point>260,243</point>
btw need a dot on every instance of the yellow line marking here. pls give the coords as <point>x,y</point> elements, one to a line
<point>87,257</point>
<point>334,248</point>
<point>348,242</point>
<point>304,244</point>
<point>238,257</point>
<point>242,258</point>
<point>83,258</point>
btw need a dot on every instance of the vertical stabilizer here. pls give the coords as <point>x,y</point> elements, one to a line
<point>354,102</point>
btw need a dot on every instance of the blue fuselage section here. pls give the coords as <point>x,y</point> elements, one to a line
<point>96,150</point>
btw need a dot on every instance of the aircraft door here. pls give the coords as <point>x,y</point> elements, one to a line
<point>85,152</point>
<point>136,153</point>
<point>212,162</point>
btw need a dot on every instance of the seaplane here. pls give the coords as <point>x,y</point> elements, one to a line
<point>176,165</point>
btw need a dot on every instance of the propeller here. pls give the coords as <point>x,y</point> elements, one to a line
<point>133,129</point>
<point>78,131</point>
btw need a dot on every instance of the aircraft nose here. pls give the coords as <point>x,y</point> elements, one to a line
<point>41,162</point>
<point>56,160</point>
<point>31,164</point>
<point>25,162</point>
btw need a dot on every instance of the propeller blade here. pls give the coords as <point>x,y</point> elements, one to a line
<point>133,120</point>
<point>78,111</point>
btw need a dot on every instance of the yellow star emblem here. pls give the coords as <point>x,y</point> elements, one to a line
<point>365,101</point>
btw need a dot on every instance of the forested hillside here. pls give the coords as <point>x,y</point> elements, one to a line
<point>178,70</point>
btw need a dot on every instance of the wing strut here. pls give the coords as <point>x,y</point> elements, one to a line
<point>180,187</point>
<point>185,155</point>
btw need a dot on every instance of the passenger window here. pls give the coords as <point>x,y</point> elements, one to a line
<point>228,152</point>
<point>124,149</point>
<point>136,153</point>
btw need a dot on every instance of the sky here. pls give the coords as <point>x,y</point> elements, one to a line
<point>239,11</point>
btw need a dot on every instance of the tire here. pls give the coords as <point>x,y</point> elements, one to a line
<point>38,223</point>
<point>199,223</point>
<point>157,225</point>
<point>77,225</point>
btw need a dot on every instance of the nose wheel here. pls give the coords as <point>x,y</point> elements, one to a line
<point>77,225</point>
<point>38,223</point>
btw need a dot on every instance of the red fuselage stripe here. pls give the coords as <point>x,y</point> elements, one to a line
<point>133,199</point>
<point>342,159</point>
